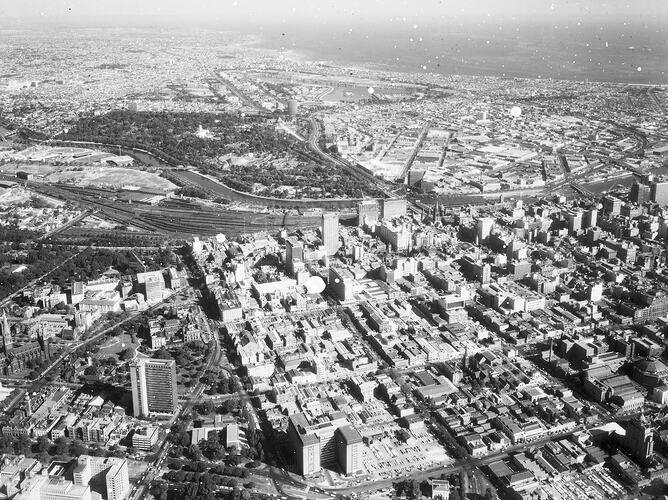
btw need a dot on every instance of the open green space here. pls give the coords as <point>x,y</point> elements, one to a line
<point>275,164</point>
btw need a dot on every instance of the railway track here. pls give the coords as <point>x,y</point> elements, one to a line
<point>177,217</point>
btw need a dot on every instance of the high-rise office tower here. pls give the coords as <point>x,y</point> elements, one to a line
<point>590,218</point>
<point>330,232</point>
<point>327,444</point>
<point>640,193</point>
<point>358,253</point>
<point>342,282</point>
<point>393,207</point>
<point>612,205</point>
<point>349,450</point>
<point>575,220</point>
<point>305,445</point>
<point>294,252</point>
<point>484,227</point>
<point>153,386</point>
<point>639,439</point>
<point>154,285</point>
<point>659,192</point>
<point>367,213</point>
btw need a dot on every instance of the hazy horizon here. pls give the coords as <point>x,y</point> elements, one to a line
<point>607,40</point>
<point>333,11</point>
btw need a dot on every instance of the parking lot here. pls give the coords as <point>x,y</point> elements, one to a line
<point>387,457</point>
<point>595,485</point>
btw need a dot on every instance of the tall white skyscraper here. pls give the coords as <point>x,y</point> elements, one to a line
<point>484,227</point>
<point>330,232</point>
<point>153,386</point>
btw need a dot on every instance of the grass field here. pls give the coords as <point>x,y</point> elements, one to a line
<point>112,177</point>
<point>93,175</point>
<point>115,345</point>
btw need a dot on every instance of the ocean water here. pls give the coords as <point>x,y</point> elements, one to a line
<point>612,52</point>
<point>618,50</point>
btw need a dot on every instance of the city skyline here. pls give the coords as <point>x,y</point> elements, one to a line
<point>324,250</point>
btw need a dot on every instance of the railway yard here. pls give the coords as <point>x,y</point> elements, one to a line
<point>174,218</point>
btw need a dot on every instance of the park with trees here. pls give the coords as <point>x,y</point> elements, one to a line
<point>274,161</point>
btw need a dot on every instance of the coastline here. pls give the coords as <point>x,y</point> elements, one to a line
<point>647,75</point>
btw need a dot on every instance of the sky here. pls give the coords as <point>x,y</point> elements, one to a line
<point>353,12</point>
